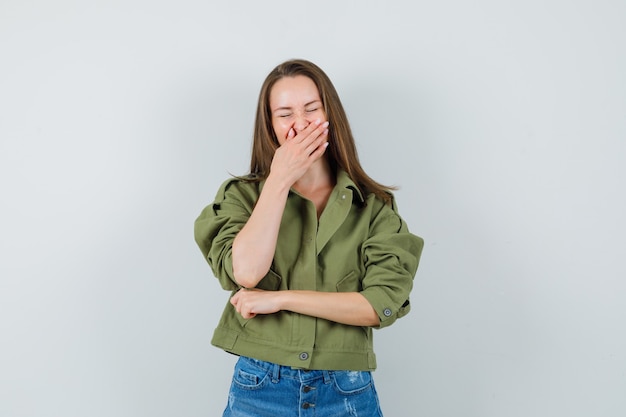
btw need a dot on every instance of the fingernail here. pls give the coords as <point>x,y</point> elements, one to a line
<point>325,124</point>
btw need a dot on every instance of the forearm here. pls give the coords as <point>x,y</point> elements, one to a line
<point>255,244</point>
<point>350,308</point>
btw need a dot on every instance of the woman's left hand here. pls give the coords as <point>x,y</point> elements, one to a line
<point>250,302</point>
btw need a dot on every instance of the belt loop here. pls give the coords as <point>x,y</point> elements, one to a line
<point>275,373</point>
<point>326,377</point>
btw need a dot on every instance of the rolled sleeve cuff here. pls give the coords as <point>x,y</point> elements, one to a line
<point>227,280</point>
<point>388,311</point>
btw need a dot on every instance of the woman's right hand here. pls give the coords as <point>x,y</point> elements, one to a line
<point>299,151</point>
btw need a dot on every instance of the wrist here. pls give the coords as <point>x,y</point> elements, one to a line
<point>278,185</point>
<point>283,299</point>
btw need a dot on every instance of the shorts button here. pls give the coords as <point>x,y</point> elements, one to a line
<point>304,356</point>
<point>387,312</point>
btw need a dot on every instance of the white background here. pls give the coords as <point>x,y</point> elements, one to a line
<point>503,122</point>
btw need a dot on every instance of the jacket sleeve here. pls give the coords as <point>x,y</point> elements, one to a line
<point>391,255</point>
<point>216,227</point>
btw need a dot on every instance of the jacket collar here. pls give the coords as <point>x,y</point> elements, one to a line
<point>344,181</point>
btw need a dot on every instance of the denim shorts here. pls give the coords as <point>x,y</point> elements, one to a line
<point>264,389</point>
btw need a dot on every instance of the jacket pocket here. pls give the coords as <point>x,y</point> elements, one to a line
<point>349,283</point>
<point>270,282</point>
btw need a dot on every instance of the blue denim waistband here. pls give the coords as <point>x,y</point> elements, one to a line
<point>281,371</point>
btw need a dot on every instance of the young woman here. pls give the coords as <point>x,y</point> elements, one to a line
<point>315,255</point>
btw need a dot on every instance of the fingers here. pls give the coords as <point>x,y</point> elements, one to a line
<point>311,132</point>
<point>315,144</point>
<point>315,139</point>
<point>319,151</point>
<point>242,304</point>
<point>239,305</point>
<point>252,302</point>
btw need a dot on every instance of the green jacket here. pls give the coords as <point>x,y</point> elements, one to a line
<point>357,245</point>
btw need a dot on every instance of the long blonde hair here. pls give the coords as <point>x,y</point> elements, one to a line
<point>341,152</point>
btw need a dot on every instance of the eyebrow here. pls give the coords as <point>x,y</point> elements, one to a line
<point>306,105</point>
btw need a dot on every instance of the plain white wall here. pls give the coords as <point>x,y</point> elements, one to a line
<point>503,122</point>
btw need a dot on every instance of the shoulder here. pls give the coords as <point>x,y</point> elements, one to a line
<point>384,215</point>
<point>381,207</point>
<point>238,188</point>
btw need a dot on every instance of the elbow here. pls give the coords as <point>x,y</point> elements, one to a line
<point>246,273</point>
<point>246,282</point>
<point>246,278</point>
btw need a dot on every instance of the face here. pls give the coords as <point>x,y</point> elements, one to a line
<point>295,103</point>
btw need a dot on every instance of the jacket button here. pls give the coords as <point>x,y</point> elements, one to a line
<point>307,405</point>
<point>304,356</point>
<point>387,312</point>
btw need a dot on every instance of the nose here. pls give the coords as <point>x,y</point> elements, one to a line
<point>301,122</point>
